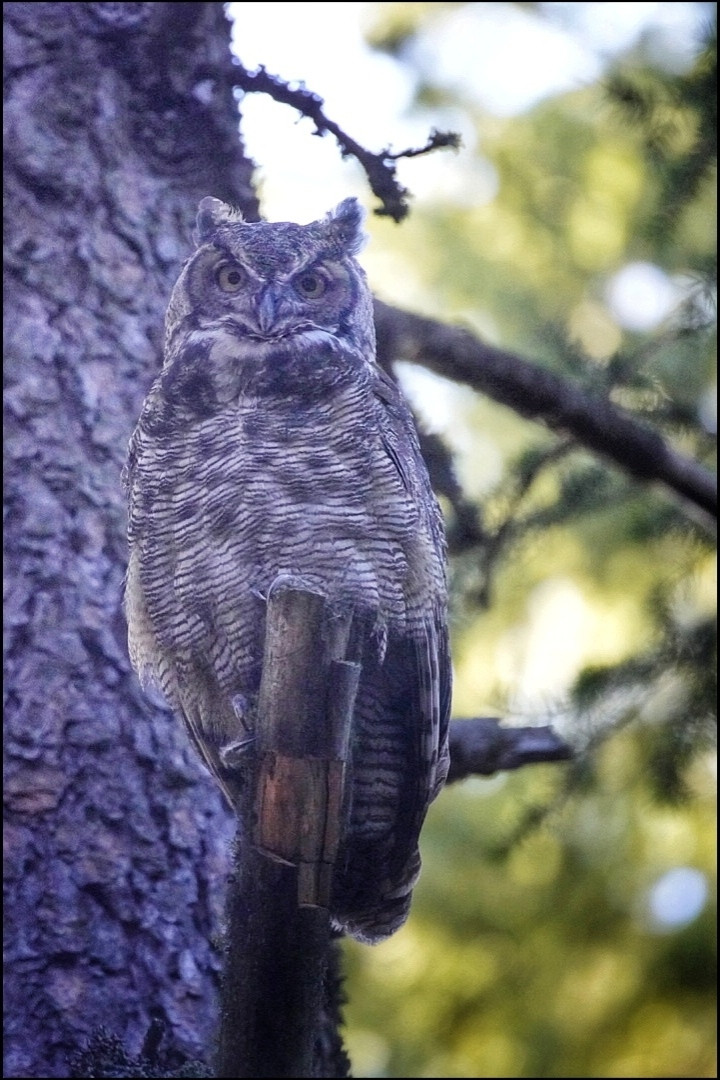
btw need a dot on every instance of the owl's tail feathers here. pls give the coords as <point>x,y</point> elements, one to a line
<point>374,911</point>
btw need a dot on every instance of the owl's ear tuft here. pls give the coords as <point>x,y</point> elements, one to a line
<point>344,224</point>
<point>212,213</point>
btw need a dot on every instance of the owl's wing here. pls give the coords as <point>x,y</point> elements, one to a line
<point>397,430</point>
<point>399,764</point>
<point>419,671</point>
<point>420,662</point>
<point>201,705</point>
<point>401,444</point>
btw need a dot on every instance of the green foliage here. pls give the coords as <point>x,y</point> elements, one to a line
<point>587,600</point>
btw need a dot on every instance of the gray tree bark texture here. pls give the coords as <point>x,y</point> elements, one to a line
<point>116,842</point>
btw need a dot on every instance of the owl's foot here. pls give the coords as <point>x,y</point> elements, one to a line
<point>234,754</point>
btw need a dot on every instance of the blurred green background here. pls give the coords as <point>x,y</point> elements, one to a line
<point>564,923</point>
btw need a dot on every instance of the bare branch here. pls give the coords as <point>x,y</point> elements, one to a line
<point>437,140</point>
<point>481,746</point>
<point>379,167</point>
<point>539,394</point>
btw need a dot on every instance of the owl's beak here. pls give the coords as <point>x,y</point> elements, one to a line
<point>266,306</point>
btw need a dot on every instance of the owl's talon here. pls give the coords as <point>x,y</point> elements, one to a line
<point>235,753</point>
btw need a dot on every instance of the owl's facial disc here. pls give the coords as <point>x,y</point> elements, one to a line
<point>269,304</point>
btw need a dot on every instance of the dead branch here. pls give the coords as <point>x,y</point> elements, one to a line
<point>534,392</point>
<point>481,747</point>
<point>275,982</point>
<point>379,167</point>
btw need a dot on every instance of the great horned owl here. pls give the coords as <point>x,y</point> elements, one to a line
<point>272,447</point>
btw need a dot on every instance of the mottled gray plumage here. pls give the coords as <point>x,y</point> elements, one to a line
<point>272,448</point>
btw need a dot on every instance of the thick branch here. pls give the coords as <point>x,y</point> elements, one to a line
<point>482,746</point>
<point>542,395</point>
<point>274,971</point>
<point>278,925</point>
<point>379,167</point>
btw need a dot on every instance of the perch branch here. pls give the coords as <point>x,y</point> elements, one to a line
<point>278,926</point>
<point>542,395</point>
<point>379,167</point>
<point>481,746</point>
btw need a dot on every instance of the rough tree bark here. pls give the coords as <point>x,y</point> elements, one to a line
<point>116,839</point>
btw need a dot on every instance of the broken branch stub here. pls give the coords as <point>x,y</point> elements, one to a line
<point>305,707</point>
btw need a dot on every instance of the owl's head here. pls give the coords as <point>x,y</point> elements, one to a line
<point>276,284</point>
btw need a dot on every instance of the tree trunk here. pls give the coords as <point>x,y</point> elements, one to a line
<point>116,839</point>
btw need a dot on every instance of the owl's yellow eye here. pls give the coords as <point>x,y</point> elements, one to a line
<point>230,277</point>
<point>311,285</point>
